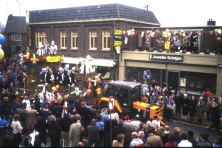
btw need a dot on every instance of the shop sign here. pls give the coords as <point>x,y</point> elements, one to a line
<point>118,32</point>
<point>52,59</point>
<point>118,43</point>
<point>160,57</point>
<point>29,37</point>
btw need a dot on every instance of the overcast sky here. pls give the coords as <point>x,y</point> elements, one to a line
<point>170,13</point>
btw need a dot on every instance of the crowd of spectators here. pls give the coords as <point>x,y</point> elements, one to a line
<point>68,126</point>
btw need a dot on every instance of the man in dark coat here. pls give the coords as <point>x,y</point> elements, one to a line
<point>45,77</point>
<point>61,77</point>
<point>57,110</point>
<point>118,129</point>
<point>84,112</point>
<point>93,134</point>
<point>54,132</point>
<point>107,129</point>
<point>69,81</point>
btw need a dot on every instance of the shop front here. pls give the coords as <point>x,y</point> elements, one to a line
<point>187,73</point>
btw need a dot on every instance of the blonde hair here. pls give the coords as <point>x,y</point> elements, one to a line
<point>167,128</point>
<point>161,132</point>
<point>80,144</point>
<point>6,99</point>
<point>177,130</point>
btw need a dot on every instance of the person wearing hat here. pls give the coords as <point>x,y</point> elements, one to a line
<point>53,48</point>
<point>61,77</point>
<point>69,80</point>
<point>40,52</point>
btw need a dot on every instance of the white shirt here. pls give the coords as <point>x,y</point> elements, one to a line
<point>136,142</point>
<point>27,103</point>
<point>16,126</point>
<point>185,143</point>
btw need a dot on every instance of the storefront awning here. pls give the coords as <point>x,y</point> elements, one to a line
<point>96,62</point>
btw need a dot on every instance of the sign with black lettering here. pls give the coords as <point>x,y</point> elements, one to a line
<point>161,57</point>
<point>118,32</point>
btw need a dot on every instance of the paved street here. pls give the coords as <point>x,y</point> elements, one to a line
<point>197,129</point>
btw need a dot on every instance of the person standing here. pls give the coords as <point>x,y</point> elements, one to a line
<point>193,105</point>
<point>200,109</point>
<point>41,127</point>
<point>178,101</point>
<point>153,140</point>
<point>119,142</point>
<point>3,129</point>
<point>215,116</point>
<point>118,129</point>
<point>184,142</point>
<point>75,133</point>
<point>65,125</point>
<point>17,130</point>
<point>54,132</point>
<point>170,107</point>
<point>31,119</point>
<point>185,106</point>
<point>93,134</point>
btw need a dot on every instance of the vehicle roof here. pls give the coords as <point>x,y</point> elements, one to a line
<point>124,83</point>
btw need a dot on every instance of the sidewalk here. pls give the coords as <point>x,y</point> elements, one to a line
<point>205,122</point>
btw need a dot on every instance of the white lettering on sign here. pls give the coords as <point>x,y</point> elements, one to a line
<point>166,57</point>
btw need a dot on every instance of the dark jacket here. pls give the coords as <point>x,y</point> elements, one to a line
<point>93,134</point>
<point>117,130</point>
<point>84,112</point>
<point>57,110</point>
<point>44,114</point>
<point>70,108</point>
<point>107,125</point>
<point>204,144</point>
<point>177,137</point>
<point>54,131</point>
<point>41,128</point>
<point>65,124</point>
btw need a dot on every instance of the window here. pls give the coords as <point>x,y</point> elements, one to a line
<point>16,37</point>
<point>39,37</point>
<point>63,37</point>
<point>92,40</point>
<point>106,40</point>
<point>74,40</point>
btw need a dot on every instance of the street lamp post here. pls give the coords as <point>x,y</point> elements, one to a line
<point>20,23</point>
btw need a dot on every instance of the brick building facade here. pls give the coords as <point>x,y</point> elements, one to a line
<point>88,30</point>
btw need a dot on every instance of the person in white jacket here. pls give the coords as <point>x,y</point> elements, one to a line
<point>17,130</point>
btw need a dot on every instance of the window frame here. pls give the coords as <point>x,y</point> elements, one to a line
<point>39,37</point>
<point>106,37</point>
<point>94,37</point>
<point>74,36</point>
<point>63,38</point>
<point>13,37</point>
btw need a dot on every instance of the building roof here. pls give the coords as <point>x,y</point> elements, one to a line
<point>178,28</point>
<point>94,12</point>
<point>13,24</point>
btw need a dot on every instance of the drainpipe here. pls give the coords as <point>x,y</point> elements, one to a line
<point>114,54</point>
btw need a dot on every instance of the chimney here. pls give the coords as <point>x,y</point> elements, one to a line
<point>211,22</point>
<point>10,17</point>
<point>27,16</point>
